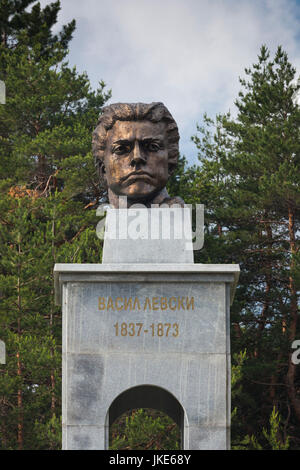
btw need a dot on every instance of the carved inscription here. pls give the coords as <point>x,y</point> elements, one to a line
<point>155,329</point>
<point>150,303</point>
<point>166,329</point>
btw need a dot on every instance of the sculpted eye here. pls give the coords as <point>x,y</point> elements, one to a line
<point>121,149</point>
<point>152,146</point>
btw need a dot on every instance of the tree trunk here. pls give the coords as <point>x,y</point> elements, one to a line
<point>290,377</point>
<point>19,367</point>
<point>20,406</point>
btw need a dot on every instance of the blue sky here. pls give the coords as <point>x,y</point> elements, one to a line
<point>188,54</point>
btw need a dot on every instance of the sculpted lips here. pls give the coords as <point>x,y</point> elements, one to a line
<point>135,175</point>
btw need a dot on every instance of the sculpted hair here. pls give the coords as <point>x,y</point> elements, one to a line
<point>154,112</point>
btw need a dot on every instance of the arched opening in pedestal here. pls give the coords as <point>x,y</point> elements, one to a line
<point>147,397</point>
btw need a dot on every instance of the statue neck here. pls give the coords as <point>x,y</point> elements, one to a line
<point>119,203</point>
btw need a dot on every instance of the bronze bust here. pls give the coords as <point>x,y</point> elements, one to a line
<point>135,146</point>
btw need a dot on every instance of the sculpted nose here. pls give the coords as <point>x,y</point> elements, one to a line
<point>138,156</point>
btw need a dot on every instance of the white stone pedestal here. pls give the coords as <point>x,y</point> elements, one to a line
<point>154,335</point>
<point>148,236</point>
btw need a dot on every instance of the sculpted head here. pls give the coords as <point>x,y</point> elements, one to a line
<point>135,146</point>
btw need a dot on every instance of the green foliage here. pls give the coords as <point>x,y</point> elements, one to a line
<point>273,436</point>
<point>248,179</point>
<point>144,429</point>
<point>238,361</point>
<point>46,124</point>
<point>36,234</point>
<point>49,432</point>
<point>273,439</point>
<point>20,26</point>
<point>49,191</point>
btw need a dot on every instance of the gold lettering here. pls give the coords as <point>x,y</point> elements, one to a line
<point>170,300</point>
<point>190,302</point>
<point>110,304</point>
<point>101,303</point>
<point>116,303</point>
<point>155,303</point>
<point>136,302</point>
<point>128,303</point>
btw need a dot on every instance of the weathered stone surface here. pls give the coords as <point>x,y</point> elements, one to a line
<point>83,437</point>
<point>148,236</point>
<point>2,352</point>
<point>156,317</point>
<point>133,272</point>
<point>208,438</point>
<point>183,351</point>
<point>2,92</point>
<point>197,381</point>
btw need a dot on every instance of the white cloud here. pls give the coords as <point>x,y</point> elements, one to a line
<point>186,53</point>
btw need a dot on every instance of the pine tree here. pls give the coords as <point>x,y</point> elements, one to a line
<point>144,429</point>
<point>49,191</point>
<point>252,169</point>
<point>21,27</point>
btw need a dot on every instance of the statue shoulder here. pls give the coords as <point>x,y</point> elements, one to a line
<point>172,201</point>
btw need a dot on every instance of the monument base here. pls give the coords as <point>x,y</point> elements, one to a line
<point>148,236</point>
<point>146,335</point>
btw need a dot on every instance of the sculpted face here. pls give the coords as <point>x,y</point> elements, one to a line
<point>136,159</point>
